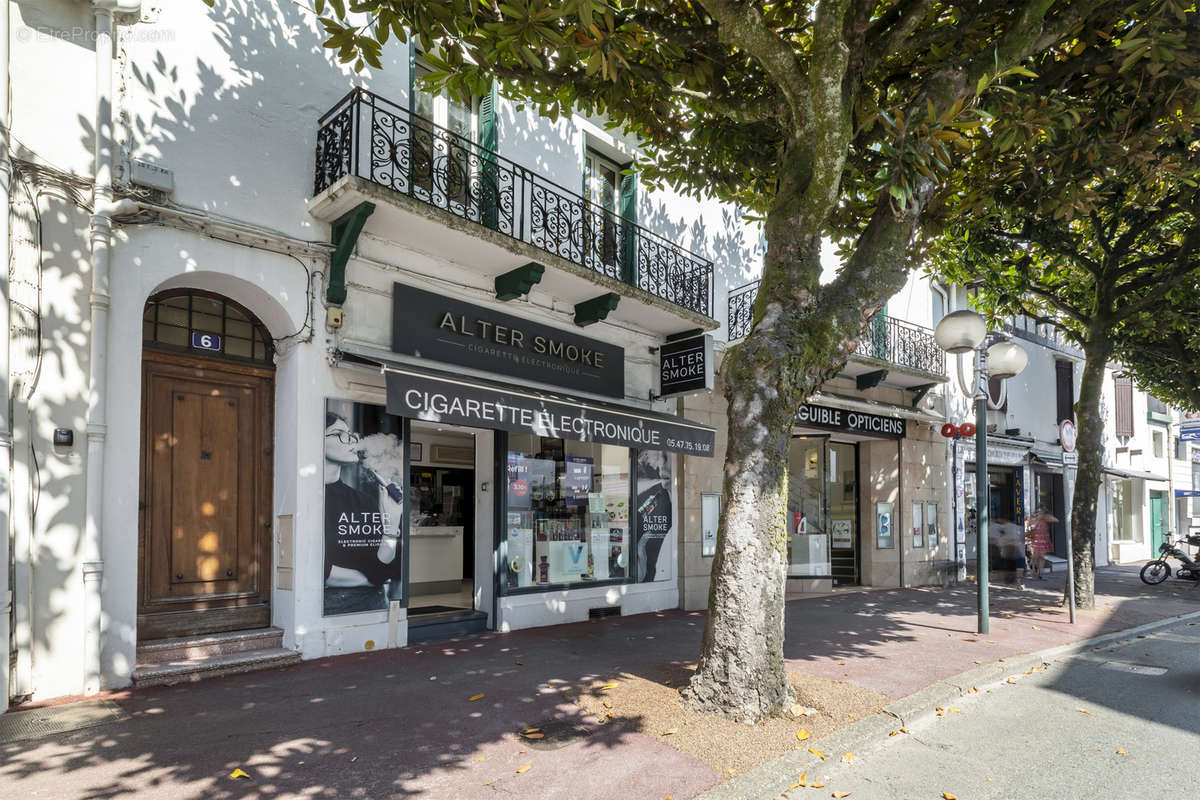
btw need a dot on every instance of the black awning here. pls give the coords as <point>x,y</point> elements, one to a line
<point>435,396</point>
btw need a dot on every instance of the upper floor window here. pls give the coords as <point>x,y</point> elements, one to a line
<point>1064,387</point>
<point>1123,400</point>
<point>1155,406</point>
<point>447,112</point>
<point>1158,445</point>
<point>937,298</point>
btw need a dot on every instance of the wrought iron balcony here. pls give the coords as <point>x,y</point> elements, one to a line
<point>371,137</point>
<point>883,339</point>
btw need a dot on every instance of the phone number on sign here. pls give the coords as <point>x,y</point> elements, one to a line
<point>680,445</point>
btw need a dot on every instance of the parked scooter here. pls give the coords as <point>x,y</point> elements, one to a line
<point>1158,570</point>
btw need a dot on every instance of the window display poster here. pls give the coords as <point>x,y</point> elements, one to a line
<point>578,480</point>
<point>364,507</point>
<point>518,480</point>
<point>655,515</point>
<point>884,538</point>
<point>843,533</point>
<point>542,484</point>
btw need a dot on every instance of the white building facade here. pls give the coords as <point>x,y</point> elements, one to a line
<point>305,362</point>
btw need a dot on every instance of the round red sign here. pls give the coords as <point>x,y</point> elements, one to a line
<point>519,487</point>
<point>1067,435</point>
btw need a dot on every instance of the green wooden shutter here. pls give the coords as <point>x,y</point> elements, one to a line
<point>489,188</point>
<point>879,335</point>
<point>629,266</point>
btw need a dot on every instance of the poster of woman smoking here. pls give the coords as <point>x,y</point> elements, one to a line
<point>655,514</point>
<point>364,505</point>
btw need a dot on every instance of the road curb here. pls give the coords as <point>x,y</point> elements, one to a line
<point>772,779</point>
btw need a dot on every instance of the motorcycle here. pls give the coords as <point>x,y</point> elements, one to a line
<point>1158,570</point>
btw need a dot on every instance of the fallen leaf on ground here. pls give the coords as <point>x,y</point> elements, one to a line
<point>904,730</point>
<point>1086,713</point>
<point>1011,680</point>
<point>940,711</point>
<point>1036,628</point>
<point>974,690</point>
<point>948,796</point>
<point>606,704</point>
<point>970,640</point>
<point>841,794</point>
<point>488,783</point>
<point>955,710</point>
<point>802,734</point>
<point>524,768</point>
<point>670,731</point>
<point>817,753</point>
<point>534,735</point>
<point>818,786</point>
<point>608,686</point>
<point>802,782</point>
<point>1120,752</point>
<point>842,662</point>
<point>520,663</point>
<point>848,758</point>
<point>894,733</point>
<point>480,758</point>
<point>239,773</point>
<point>475,697</point>
<point>531,730</point>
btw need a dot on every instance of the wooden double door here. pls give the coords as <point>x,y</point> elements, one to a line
<point>204,544</point>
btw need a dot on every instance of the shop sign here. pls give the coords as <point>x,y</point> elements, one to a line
<point>1002,456</point>
<point>1189,432</point>
<point>837,419</point>
<point>433,326</point>
<point>1187,492</point>
<point>685,366</point>
<point>454,401</point>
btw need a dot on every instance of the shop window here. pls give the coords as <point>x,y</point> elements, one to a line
<point>931,525</point>
<point>1126,527</point>
<point>1158,446</point>
<point>568,513</point>
<point>918,524</point>
<point>1180,449</point>
<point>1195,484</point>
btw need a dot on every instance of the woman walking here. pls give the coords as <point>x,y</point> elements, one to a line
<point>1037,531</point>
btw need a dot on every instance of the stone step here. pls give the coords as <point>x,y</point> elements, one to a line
<point>163,651</point>
<point>195,669</point>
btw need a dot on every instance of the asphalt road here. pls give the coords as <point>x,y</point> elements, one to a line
<point>1120,722</point>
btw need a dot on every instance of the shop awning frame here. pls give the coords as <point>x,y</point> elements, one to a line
<point>1133,473</point>
<point>425,393</point>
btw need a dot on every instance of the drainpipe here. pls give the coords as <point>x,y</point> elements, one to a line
<point>101,240</point>
<point>5,399</point>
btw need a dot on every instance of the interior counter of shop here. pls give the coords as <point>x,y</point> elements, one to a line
<point>436,554</point>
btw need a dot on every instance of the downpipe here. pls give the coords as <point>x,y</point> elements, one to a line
<point>100,237</point>
<point>6,450</point>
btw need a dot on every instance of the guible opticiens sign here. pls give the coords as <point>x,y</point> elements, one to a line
<point>440,328</point>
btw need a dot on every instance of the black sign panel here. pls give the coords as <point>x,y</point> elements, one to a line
<point>433,326</point>
<point>863,424</point>
<point>685,366</point>
<point>465,401</point>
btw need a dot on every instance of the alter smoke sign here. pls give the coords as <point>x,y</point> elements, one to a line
<point>686,366</point>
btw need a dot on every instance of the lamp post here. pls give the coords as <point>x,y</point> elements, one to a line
<point>961,332</point>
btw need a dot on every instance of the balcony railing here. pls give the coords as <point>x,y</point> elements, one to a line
<point>884,338</point>
<point>375,139</point>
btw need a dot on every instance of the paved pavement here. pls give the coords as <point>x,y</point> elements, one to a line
<point>1119,722</point>
<point>400,723</point>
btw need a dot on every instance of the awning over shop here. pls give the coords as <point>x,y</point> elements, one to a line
<point>435,396</point>
<point>1046,455</point>
<point>1133,473</point>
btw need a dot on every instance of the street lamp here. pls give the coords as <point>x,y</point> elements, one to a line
<point>961,332</point>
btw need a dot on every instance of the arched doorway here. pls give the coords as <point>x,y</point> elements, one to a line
<point>204,544</point>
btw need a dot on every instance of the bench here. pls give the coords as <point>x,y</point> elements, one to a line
<point>1053,561</point>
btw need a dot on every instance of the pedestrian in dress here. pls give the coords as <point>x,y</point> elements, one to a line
<point>1037,532</point>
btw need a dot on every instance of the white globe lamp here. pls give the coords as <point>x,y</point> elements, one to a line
<point>1006,359</point>
<point>960,332</point>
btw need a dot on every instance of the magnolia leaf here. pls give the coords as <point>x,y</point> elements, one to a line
<point>524,768</point>
<point>802,734</point>
<point>841,794</point>
<point>608,686</point>
<point>239,773</point>
<point>848,758</point>
<point>817,753</point>
<point>948,796</point>
<point>475,697</point>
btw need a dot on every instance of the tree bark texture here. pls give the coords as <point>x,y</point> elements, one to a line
<point>1088,477</point>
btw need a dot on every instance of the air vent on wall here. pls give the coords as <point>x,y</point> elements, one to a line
<point>450,454</point>
<point>604,611</point>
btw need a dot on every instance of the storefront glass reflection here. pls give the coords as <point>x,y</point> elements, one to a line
<point>822,512</point>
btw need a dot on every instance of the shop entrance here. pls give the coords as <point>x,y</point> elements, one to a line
<point>207,431</point>
<point>441,522</point>
<point>823,510</point>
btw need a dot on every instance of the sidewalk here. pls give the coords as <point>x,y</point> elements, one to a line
<point>402,724</point>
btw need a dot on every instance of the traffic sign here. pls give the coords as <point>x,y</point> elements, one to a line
<point>1067,435</point>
